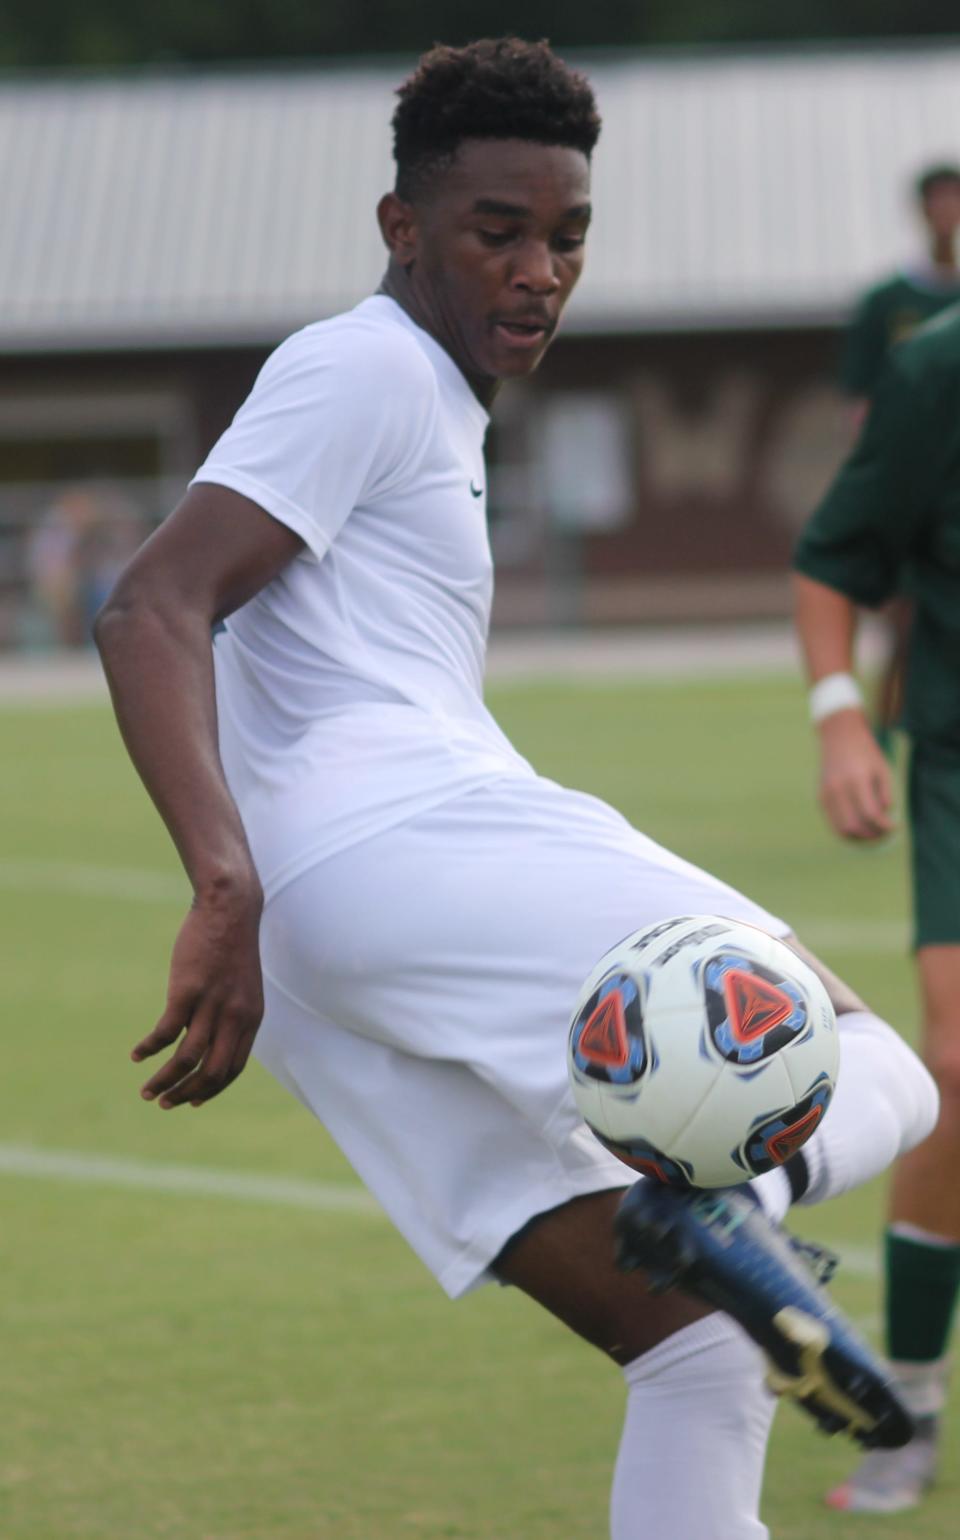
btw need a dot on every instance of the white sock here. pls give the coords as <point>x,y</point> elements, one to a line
<point>774,1191</point>
<point>910,1232</point>
<point>923,1386</point>
<point>885,1103</point>
<point>690,1465</point>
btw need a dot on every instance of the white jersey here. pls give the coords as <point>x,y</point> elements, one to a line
<point>349,690</point>
<point>433,905</point>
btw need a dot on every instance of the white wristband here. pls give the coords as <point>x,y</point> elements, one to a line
<point>838,692</point>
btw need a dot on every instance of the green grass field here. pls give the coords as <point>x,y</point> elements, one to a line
<point>214,1367</point>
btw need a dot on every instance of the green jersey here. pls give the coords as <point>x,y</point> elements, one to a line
<point>887,314</point>
<point>892,515</point>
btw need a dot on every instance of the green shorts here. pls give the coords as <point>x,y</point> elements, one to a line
<point>934,800</point>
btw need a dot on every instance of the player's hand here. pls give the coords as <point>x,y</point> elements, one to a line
<point>214,1004</point>
<point>856,784</point>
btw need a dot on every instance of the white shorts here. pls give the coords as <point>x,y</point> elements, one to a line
<point>419,988</point>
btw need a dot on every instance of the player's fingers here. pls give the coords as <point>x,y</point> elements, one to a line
<point>242,1052</point>
<point>173,1021</point>
<point>881,824</point>
<point>884,804</point>
<point>842,811</point>
<point>185,1059</point>
<point>872,808</point>
<point>854,804</point>
<point>883,785</point>
<point>227,1053</point>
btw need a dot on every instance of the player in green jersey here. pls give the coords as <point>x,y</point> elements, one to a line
<point>887,314</point>
<point>893,309</point>
<point>892,515</point>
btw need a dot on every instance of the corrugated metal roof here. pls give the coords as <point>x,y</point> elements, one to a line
<point>756,188</point>
<point>729,190</point>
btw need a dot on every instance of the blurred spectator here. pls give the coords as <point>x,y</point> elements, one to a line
<point>75,553</point>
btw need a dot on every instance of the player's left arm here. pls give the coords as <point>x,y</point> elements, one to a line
<point>319,434</point>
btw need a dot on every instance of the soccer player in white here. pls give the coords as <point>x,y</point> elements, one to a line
<point>380,876</point>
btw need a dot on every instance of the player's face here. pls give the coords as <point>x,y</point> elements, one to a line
<point>500,245</point>
<point>941,208</point>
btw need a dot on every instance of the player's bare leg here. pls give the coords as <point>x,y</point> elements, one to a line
<point>920,1196</point>
<point>564,1260</point>
<point>923,1260</point>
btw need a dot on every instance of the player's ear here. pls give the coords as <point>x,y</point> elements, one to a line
<point>398,226</point>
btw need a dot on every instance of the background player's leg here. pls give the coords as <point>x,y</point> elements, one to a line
<point>923,1259</point>
<point>923,1238</point>
<point>922,1278</point>
<point>696,1397</point>
<point>920,1307</point>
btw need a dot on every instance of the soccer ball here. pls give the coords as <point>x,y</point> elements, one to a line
<point>703,1051</point>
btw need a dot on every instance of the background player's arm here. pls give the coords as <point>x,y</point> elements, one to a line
<point>855,549</point>
<point>856,790</point>
<point>154,635</point>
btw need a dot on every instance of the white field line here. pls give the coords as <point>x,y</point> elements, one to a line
<point>871,1325</point>
<point>74,1167</point>
<point>87,880</point>
<point>139,885</point>
<point>858,1261</point>
<point>870,937</point>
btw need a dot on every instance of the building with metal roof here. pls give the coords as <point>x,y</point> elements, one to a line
<point>161,231</point>
<point>731,190</point>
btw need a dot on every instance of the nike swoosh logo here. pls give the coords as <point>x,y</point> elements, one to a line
<point>477,491</point>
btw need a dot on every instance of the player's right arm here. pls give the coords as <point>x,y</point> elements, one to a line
<point>154,635</point>
<point>338,413</point>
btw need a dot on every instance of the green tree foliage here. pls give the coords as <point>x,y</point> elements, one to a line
<point>106,33</point>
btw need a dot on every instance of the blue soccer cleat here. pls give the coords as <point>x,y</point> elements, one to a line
<point>720,1247</point>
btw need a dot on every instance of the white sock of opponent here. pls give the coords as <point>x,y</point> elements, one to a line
<point>690,1465</point>
<point>885,1103</point>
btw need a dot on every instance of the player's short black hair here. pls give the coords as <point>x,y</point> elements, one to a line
<point>931,176</point>
<point>496,88</point>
